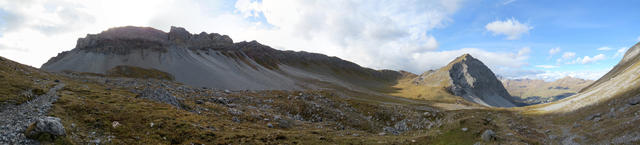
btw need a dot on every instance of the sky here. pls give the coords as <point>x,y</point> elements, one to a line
<point>541,39</point>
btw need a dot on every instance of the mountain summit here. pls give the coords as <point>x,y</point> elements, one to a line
<point>474,81</point>
<point>465,76</point>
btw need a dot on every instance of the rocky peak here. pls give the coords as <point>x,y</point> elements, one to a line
<point>470,77</point>
<point>126,33</point>
<point>121,40</point>
<point>178,34</point>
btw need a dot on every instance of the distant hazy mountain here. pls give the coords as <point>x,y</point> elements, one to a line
<point>535,91</point>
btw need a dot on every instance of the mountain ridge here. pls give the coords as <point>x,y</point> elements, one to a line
<point>214,60</point>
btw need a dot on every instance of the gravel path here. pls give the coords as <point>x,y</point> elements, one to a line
<point>14,120</point>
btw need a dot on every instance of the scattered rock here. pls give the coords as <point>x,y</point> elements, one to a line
<point>115,124</point>
<point>57,81</point>
<point>634,101</point>
<point>488,135</point>
<point>199,102</point>
<point>160,95</point>
<point>235,119</point>
<point>269,125</point>
<point>465,129</point>
<point>285,123</point>
<point>390,130</point>
<point>401,126</point>
<point>426,114</point>
<point>594,117</point>
<point>235,112</point>
<point>576,125</point>
<point>221,100</point>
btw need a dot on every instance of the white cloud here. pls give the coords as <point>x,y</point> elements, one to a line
<point>510,27</point>
<point>547,66</point>
<point>604,48</point>
<point>566,56</point>
<point>394,36</point>
<point>372,34</point>
<point>553,51</point>
<point>587,59</point>
<point>506,2</point>
<point>638,38</point>
<point>620,52</point>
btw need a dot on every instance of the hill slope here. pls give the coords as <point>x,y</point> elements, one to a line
<point>213,60</point>
<point>620,81</point>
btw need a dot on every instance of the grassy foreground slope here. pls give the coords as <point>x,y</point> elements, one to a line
<point>116,110</point>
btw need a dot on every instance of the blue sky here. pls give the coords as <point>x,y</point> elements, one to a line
<point>513,37</point>
<point>581,27</point>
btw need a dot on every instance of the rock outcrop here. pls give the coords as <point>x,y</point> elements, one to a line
<point>469,78</point>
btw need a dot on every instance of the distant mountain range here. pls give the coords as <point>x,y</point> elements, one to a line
<point>213,60</point>
<point>536,91</point>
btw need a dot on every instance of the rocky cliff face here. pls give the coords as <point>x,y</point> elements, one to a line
<point>466,77</point>
<point>213,60</point>
<point>475,81</point>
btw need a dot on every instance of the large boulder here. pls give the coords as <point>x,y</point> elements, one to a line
<point>47,130</point>
<point>50,125</point>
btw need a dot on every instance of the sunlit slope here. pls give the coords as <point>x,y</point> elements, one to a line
<point>622,79</point>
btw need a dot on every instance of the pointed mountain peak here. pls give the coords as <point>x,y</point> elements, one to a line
<point>464,58</point>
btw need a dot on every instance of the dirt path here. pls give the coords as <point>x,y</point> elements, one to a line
<point>15,120</point>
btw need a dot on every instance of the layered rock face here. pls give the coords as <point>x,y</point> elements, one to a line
<point>470,78</point>
<point>213,60</point>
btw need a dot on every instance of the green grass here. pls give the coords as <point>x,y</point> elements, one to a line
<point>16,85</point>
<point>137,72</point>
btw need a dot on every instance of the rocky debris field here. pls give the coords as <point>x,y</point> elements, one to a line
<point>310,116</point>
<point>16,119</point>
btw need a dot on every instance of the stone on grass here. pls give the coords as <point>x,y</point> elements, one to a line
<point>488,135</point>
